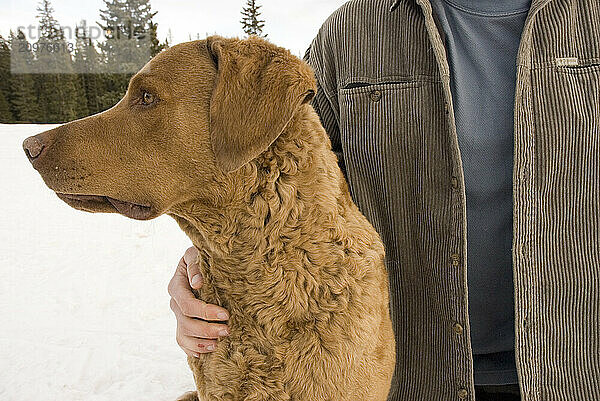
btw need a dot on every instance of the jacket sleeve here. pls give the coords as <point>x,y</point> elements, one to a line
<point>325,106</point>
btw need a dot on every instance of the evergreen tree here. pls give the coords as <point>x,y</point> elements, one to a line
<point>88,67</point>
<point>6,115</point>
<point>24,98</point>
<point>128,28</point>
<point>49,26</point>
<point>88,64</point>
<point>59,91</point>
<point>251,22</point>
<point>155,45</point>
<point>131,41</point>
<point>81,105</point>
<point>91,70</point>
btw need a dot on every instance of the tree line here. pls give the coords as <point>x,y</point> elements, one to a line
<point>54,80</point>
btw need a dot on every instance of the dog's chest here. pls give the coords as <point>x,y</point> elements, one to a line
<point>245,365</point>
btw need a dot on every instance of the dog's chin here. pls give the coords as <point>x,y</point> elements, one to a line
<point>106,204</point>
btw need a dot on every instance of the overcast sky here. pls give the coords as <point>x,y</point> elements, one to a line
<point>291,24</point>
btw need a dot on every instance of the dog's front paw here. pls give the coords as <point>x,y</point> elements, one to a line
<point>189,396</point>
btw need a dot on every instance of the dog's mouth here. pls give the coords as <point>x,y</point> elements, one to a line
<point>106,204</point>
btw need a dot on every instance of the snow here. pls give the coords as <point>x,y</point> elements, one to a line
<point>84,309</point>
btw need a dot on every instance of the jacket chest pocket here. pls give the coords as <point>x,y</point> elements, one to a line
<point>566,112</point>
<point>396,152</point>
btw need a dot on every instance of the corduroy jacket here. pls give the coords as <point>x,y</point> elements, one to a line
<point>384,99</point>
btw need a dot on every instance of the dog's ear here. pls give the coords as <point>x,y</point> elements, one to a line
<point>258,89</point>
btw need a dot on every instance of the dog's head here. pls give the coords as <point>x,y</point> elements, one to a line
<point>197,109</point>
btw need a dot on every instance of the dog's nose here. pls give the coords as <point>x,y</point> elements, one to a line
<point>33,147</point>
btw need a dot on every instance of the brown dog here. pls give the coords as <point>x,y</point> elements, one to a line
<point>219,134</point>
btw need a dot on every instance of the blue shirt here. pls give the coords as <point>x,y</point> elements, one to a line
<point>482,39</point>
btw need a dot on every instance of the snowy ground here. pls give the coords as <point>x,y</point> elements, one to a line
<point>84,309</point>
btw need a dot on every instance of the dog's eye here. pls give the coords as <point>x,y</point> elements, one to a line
<point>147,98</point>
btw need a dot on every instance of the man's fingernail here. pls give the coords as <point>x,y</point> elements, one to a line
<point>224,332</point>
<point>196,279</point>
<point>222,315</point>
<point>210,347</point>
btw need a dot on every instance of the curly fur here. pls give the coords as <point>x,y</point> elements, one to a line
<point>301,272</point>
<point>233,151</point>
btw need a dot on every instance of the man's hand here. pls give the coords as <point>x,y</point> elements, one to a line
<point>197,331</point>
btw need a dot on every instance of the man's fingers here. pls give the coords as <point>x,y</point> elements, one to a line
<point>189,352</point>
<point>194,276</point>
<point>184,301</point>
<point>180,291</point>
<point>190,259</point>
<point>196,345</point>
<point>194,336</point>
<point>203,329</point>
<point>197,328</point>
<point>190,255</point>
<point>179,285</point>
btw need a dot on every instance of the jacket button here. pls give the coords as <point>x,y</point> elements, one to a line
<point>375,95</point>
<point>446,108</point>
<point>454,182</point>
<point>524,174</point>
<point>455,259</point>
<point>458,329</point>
<point>462,394</point>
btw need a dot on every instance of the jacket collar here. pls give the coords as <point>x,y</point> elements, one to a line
<point>535,4</point>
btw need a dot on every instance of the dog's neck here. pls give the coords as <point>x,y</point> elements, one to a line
<point>278,210</point>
